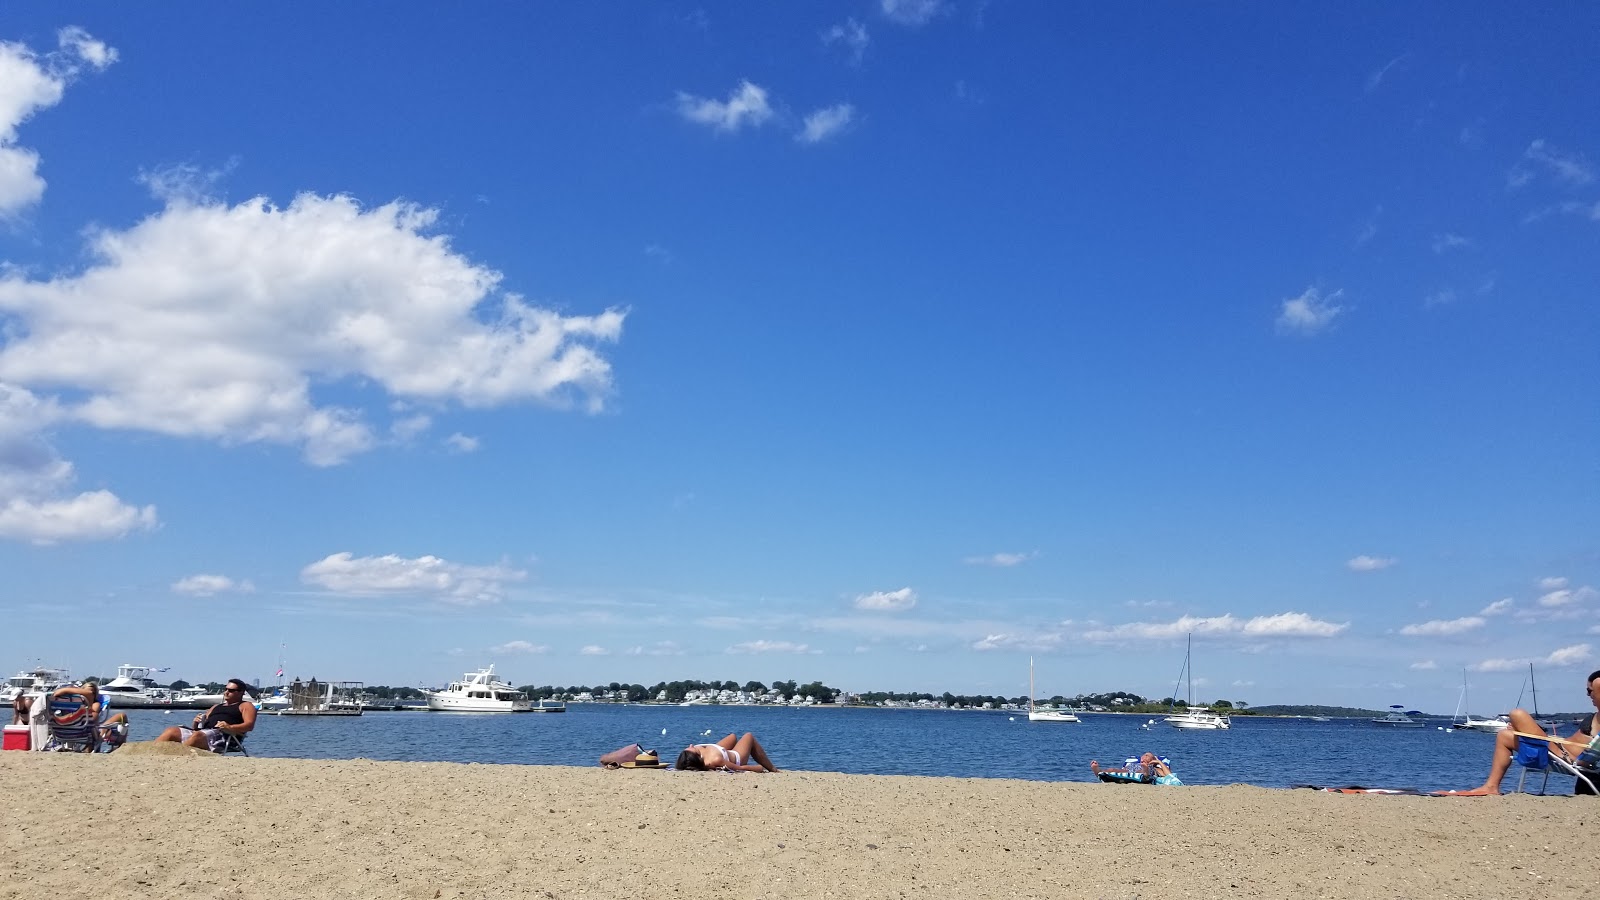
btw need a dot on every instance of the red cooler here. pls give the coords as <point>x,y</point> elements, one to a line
<point>17,737</point>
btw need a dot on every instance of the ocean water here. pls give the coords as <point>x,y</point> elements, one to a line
<point>965,744</point>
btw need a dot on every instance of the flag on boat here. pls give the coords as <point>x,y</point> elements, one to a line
<point>280,671</point>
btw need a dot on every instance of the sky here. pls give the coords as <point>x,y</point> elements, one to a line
<point>886,343</point>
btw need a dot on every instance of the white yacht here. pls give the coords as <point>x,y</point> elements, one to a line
<point>1399,718</point>
<point>478,692</point>
<point>32,681</point>
<point>1493,726</point>
<point>1195,718</point>
<point>133,688</point>
<point>1064,716</point>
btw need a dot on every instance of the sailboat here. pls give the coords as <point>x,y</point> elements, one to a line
<point>1046,715</point>
<point>1472,722</point>
<point>1533,687</point>
<point>1197,718</point>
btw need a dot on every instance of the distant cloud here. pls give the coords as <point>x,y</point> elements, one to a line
<point>31,83</point>
<point>914,13</point>
<point>518,648</point>
<point>1309,313</point>
<point>1000,560</point>
<point>1569,597</point>
<point>461,443</point>
<point>1566,656</point>
<point>593,650</point>
<point>888,601</point>
<point>825,123</point>
<point>745,106</point>
<point>659,253</point>
<point>1499,607</point>
<point>1423,666</point>
<point>208,585</point>
<point>1375,79</point>
<point>1443,243</point>
<point>1370,563</point>
<point>1567,168</point>
<point>1443,297</point>
<point>1035,642</point>
<point>425,576</point>
<point>1369,229</point>
<point>1441,627</point>
<point>761,647</point>
<point>659,648</point>
<point>1291,624</point>
<point>852,36</point>
<point>1552,583</point>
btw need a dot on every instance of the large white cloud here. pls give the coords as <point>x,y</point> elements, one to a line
<point>30,82</point>
<point>1564,656</point>
<point>1289,624</point>
<point>425,576</point>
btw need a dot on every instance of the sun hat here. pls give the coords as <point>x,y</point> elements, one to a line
<point>647,759</point>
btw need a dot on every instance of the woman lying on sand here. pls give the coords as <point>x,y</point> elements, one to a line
<point>1505,743</point>
<point>728,753</point>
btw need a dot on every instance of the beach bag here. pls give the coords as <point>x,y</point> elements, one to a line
<point>617,757</point>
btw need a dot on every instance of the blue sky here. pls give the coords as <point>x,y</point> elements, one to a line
<point>886,344</point>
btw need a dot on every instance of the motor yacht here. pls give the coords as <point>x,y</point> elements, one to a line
<point>479,691</point>
<point>1199,718</point>
<point>32,681</point>
<point>1399,718</point>
<point>133,688</point>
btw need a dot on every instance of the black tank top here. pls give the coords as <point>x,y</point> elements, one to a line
<point>222,714</point>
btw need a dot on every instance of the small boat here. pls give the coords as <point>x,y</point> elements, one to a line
<point>133,688</point>
<point>1194,718</point>
<point>1400,718</point>
<point>1466,721</point>
<point>479,691</point>
<point>1047,715</point>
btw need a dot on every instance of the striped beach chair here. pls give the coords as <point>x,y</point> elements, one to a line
<point>72,725</point>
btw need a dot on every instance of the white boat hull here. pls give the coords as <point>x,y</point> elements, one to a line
<point>1045,715</point>
<point>446,703</point>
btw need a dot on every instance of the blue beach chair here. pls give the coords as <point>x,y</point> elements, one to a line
<point>71,725</point>
<point>1534,755</point>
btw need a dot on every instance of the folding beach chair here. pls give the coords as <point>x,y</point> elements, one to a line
<point>71,725</point>
<point>1534,756</point>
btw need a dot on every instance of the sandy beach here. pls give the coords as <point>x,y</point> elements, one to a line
<point>159,824</point>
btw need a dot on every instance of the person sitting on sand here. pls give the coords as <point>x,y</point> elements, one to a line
<point>1151,769</point>
<point>1505,743</point>
<point>742,755</point>
<point>231,719</point>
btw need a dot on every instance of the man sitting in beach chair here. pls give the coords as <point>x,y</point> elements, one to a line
<point>221,728</point>
<point>1577,753</point>
<point>1145,769</point>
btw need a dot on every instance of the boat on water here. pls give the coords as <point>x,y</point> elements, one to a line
<point>1047,715</point>
<point>1463,720</point>
<point>1194,718</point>
<point>1399,718</point>
<point>32,681</point>
<point>479,691</point>
<point>133,688</point>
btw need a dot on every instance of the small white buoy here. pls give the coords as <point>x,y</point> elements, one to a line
<point>1013,718</point>
<point>663,731</point>
<point>706,732</point>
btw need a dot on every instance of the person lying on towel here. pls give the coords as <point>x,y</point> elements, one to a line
<point>1147,769</point>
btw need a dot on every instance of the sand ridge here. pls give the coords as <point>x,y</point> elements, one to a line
<point>198,825</point>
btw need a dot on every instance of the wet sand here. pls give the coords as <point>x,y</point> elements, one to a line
<point>150,823</point>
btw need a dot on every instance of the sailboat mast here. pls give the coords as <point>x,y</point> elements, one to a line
<point>1030,685</point>
<point>1188,664</point>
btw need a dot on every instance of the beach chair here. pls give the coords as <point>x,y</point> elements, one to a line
<point>1534,756</point>
<point>71,725</point>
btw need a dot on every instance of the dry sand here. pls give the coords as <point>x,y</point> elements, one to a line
<point>159,824</point>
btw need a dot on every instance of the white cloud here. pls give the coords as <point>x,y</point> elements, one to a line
<point>825,123</point>
<point>425,576</point>
<point>1563,597</point>
<point>1438,627</point>
<point>91,516</point>
<point>912,12</point>
<point>1446,242</point>
<point>215,322</point>
<point>461,443</point>
<point>747,105</point>
<point>208,585</point>
<point>1309,313</point>
<point>29,83</point>
<point>758,647</point>
<point>518,648</point>
<point>1000,560</point>
<point>1423,666</point>
<point>1034,642</point>
<point>1441,297</point>
<point>1564,167</point>
<point>888,601</point>
<point>594,650</point>
<point>659,648</point>
<point>1290,624</point>
<point>1552,583</point>
<point>1501,606</point>
<point>852,36</point>
<point>1565,656</point>
<point>1375,79</point>
<point>1370,563</point>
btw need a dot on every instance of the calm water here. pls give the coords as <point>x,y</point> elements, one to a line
<point>1266,752</point>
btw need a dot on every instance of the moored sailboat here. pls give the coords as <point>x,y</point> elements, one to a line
<point>1194,718</point>
<point>1046,715</point>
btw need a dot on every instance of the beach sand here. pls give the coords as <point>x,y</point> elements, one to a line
<point>168,824</point>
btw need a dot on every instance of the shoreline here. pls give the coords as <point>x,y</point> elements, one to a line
<point>190,823</point>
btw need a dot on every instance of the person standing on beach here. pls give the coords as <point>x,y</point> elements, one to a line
<point>1505,743</point>
<point>231,719</point>
<point>733,755</point>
